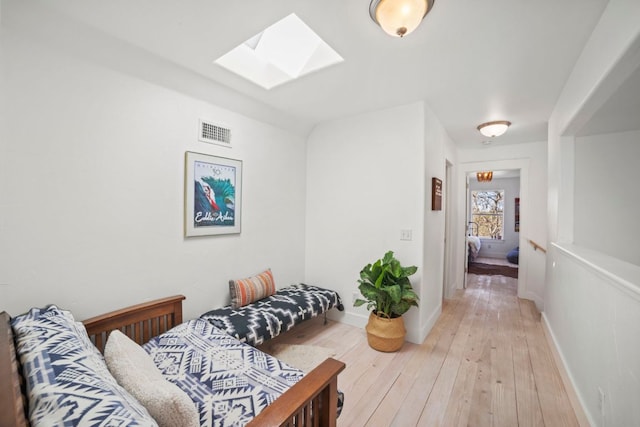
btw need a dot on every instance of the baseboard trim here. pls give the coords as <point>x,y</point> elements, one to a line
<point>567,381</point>
<point>353,319</point>
<point>539,302</point>
<point>429,324</point>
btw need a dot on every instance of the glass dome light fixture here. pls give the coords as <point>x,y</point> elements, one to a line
<point>399,17</point>
<point>493,129</point>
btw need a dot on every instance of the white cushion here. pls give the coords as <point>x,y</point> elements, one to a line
<point>134,370</point>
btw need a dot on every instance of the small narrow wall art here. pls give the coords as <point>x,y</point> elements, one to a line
<point>213,190</point>
<point>436,194</point>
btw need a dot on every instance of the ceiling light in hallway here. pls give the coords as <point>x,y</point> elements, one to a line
<point>493,129</point>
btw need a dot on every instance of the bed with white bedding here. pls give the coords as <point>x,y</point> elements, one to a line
<point>474,244</point>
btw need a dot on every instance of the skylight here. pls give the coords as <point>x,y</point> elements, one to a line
<point>285,51</point>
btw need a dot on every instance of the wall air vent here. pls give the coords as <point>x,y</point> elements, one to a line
<point>214,134</point>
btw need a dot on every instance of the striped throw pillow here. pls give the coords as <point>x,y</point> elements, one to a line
<point>246,291</point>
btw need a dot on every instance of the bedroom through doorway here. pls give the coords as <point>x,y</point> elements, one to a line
<point>493,224</point>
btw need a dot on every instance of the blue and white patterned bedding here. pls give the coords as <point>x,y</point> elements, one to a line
<point>269,317</point>
<point>230,382</point>
<point>68,383</point>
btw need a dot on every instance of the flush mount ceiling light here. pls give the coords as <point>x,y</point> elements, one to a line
<point>399,17</point>
<point>484,176</point>
<point>493,129</point>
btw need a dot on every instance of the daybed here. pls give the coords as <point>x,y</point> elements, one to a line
<point>268,317</point>
<point>312,400</point>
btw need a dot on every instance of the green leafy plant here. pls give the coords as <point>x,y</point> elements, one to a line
<point>386,288</point>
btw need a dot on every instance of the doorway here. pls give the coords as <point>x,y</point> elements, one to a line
<point>499,247</point>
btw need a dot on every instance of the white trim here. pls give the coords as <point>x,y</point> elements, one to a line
<point>577,403</point>
<point>350,318</point>
<point>430,323</point>
<point>616,272</point>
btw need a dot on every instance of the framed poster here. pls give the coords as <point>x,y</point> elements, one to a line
<point>212,195</point>
<point>517,215</point>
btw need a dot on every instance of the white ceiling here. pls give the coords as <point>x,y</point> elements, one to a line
<point>472,61</point>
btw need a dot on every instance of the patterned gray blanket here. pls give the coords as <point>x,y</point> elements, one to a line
<point>230,382</point>
<point>269,317</point>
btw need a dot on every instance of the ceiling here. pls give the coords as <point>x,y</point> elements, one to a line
<point>471,61</point>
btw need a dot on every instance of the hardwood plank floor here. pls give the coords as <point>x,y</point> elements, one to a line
<point>486,362</point>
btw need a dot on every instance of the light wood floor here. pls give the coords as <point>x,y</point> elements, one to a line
<point>485,363</point>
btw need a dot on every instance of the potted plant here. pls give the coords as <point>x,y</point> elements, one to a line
<point>388,294</point>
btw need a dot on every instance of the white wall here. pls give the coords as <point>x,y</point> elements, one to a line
<point>591,301</point>
<point>364,185</point>
<point>499,248</point>
<point>594,317</point>
<point>606,188</point>
<point>438,149</point>
<point>92,176</point>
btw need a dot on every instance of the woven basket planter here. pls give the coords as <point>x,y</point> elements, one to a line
<point>385,334</point>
